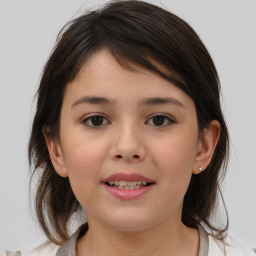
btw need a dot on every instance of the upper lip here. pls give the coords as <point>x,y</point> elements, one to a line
<point>127,177</point>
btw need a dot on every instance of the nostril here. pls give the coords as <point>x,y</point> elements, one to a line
<point>131,157</point>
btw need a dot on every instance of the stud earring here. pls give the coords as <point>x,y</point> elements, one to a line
<point>200,169</point>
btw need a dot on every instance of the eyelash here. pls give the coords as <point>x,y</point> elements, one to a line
<point>89,119</point>
<point>166,117</point>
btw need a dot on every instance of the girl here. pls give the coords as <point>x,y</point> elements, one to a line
<point>129,129</point>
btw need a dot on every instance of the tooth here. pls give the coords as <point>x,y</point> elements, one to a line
<point>127,184</point>
<point>131,183</point>
<point>123,183</point>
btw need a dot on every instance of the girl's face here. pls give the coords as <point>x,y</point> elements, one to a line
<point>120,130</point>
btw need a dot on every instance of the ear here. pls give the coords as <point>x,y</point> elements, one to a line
<point>206,146</point>
<point>56,154</point>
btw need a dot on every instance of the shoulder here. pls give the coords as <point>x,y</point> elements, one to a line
<point>46,249</point>
<point>228,248</point>
<point>9,253</point>
<point>51,249</point>
<point>2,252</point>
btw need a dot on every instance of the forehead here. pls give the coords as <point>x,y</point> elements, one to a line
<point>102,75</point>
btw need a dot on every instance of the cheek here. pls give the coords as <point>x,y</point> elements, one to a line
<point>82,153</point>
<point>174,160</point>
<point>176,154</point>
<point>83,160</point>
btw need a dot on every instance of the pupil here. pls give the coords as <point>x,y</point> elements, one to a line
<point>158,120</point>
<point>97,120</point>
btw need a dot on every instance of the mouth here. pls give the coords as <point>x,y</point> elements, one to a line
<point>128,185</point>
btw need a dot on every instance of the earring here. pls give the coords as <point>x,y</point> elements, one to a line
<point>200,169</point>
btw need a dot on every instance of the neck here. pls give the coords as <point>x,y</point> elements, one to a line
<point>172,239</point>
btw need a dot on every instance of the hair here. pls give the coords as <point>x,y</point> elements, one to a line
<point>135,33</point>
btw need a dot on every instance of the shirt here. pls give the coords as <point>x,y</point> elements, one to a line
<point>208,246</point>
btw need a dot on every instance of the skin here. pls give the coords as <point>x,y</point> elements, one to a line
<point>128,140</point>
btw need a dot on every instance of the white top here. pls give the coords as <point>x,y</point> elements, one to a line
<point>208,247</point>
<point>217,248</point>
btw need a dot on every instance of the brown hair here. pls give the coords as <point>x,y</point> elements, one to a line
<point>139,33</point>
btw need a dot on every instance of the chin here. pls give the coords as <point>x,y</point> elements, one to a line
<point>130,222</point>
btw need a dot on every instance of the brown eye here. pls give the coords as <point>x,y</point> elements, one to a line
<point>95,121</point>
<point>160,120</point>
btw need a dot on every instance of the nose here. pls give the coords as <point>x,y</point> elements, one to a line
<point>127,146</point>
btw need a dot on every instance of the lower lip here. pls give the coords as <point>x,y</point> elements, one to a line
<point>128,194</point>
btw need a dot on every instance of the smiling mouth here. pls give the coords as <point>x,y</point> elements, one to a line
<point>128,185</point>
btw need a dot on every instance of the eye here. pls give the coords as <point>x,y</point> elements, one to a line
<point>95,121</point>
<point>160,120</point>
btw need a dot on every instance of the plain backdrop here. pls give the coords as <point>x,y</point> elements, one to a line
<point>27,34</point>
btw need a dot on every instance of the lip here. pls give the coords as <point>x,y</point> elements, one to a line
<point>127,177</point>
<point>127,194</point>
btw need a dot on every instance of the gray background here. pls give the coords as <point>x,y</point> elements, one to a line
<point>28,31</point>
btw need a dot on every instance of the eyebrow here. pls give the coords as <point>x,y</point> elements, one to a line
<point>94,101</point>
<point>107,101</point>
<point>161,101</point>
